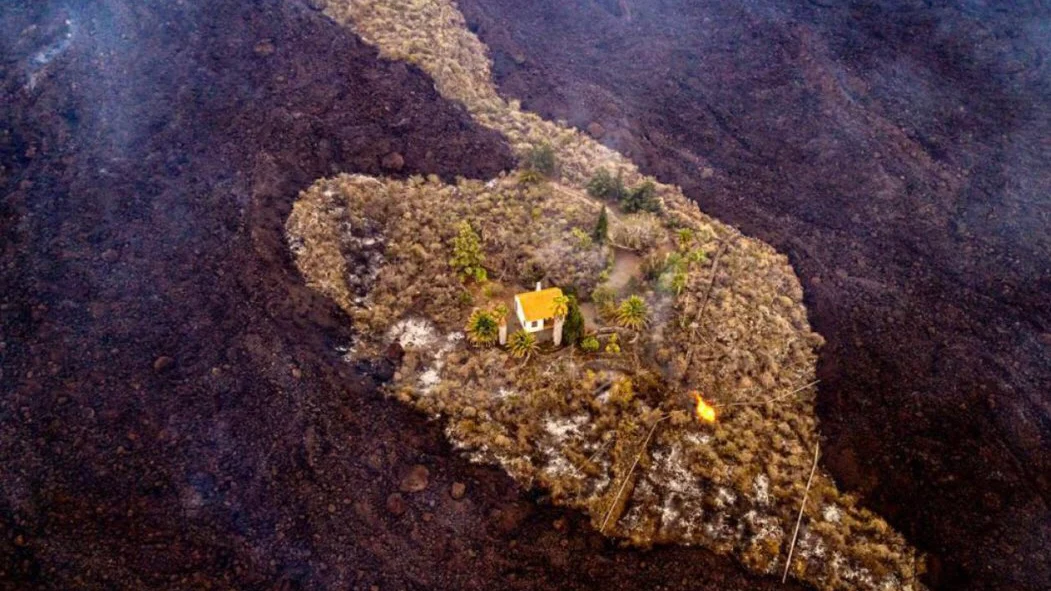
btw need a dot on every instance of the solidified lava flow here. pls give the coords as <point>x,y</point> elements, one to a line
<point>227,321</point>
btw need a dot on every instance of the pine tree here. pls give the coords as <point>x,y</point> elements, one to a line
<point>574,323</point>
<point>601,232</point>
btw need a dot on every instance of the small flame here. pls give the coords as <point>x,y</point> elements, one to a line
<point>705,412</point>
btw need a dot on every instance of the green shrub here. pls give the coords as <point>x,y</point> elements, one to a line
<point>605,186</point>
<point>633,313</point>
<point>603,295</point>
<point>613,344</point>
<point>573,326</point>
<point>528,176</point>
<point>589,344</point>
<point>601,232</point>
<point>541,159</point>
<point>582,237</point>
<point>641,198</point>
<point>522,344</point>
<point>685,238</point>
<point>467,253</point>
<point>697,256</point>
<point>483,327</point>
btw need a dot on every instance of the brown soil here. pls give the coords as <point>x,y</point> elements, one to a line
<point>175,412</point>
<point>899,154</point>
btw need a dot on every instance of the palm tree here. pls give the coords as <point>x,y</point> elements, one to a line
<point>482,328</point>
<point>522,344</point>
<point>633,313</point>
<point>501,311</point>
<point>561,306</point>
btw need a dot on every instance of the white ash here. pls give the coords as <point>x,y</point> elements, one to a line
<point>412,332</point>
<point>831,513</point>
<point>762,489</point>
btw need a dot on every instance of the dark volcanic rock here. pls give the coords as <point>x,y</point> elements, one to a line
<point>898,153</point>
<point>396,504</point>
<point>393,162</point>
<point>415,479</point>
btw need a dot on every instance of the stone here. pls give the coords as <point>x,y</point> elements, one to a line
<point>596,130</point>
<point>396,504</point>
<point>458,491</point>
<point>317,4</point>
<point>393,162</point>
<point>110,255</point>
<point>264,48</point>
<point>163,363</point>
<point>415,480</point>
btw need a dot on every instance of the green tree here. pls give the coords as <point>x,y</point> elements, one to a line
<point>483,328</point>
<point>601,232</point>
<point>633,313</point>
<point>468,257</point>
<point>605,186</point>
<point>522,344</point>
<point>574,323</point>
<point>641,198</point>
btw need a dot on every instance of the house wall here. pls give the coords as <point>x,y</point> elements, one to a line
<point>527,326</point>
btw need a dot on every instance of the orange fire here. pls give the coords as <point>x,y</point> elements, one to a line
<point>705,412</point>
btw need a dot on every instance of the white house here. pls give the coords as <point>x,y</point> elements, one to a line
<point>536,311</point>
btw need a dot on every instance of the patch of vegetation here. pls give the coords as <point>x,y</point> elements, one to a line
<point>641,198</point>
<point>607,187</point>
<point>733,329</point>
<point>482,328</point>
<point>522,344</point>
<point>611,188</point>
<point>467,254</point>
<point>541,160</point>
<point>633,313</point>
<point>601,232</point>
<point>573,327</point>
